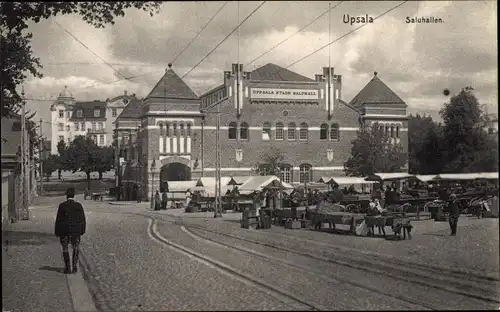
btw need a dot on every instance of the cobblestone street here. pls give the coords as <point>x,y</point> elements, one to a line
<point>134,259</point>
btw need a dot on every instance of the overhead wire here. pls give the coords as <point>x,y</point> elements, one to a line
<point>86,47</point>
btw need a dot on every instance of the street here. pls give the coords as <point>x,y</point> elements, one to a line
<point>139,260</point>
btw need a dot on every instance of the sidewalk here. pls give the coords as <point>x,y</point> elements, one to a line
<point>32,267</point>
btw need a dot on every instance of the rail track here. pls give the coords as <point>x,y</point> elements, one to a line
<point>473,287</point>
<point>290,299</point>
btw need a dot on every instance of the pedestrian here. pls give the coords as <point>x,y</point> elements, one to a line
<point>69,227</point>
<point>189,195</point>
<point>139,193</point>
<point>164,200</point>
<point>453,209</point>
<point>157,201</point>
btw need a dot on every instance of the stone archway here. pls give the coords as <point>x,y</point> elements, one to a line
<point>175,171</point>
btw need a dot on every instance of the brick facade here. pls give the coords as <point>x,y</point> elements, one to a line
<point>189,122</point>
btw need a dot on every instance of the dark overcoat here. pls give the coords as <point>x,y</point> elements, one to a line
<point>70,220</point>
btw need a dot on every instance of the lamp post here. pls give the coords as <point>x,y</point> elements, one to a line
<point>153,167</point>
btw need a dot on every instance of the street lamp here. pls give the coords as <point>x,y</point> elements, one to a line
<point>153,167</point>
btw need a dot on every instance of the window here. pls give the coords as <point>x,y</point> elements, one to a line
<point>68,128</point>
<point>174,130</point>
<point>232,132</point>
<point>94,125</point>
<point>334,132</point>
<point>392,131</point>
<point>125,139</point>
<point>162,130</point>
<point>100,126</point>
<point>61,113</point>
<point>286,173</point>
<point>69,141</point>
<point>60,126</point>
<point>291,131</point>
<point>94,138</point>
<point>280,134</point>
<point>97,113</point>
<point>182,129</point>
<point>303,132</point>
<point>397,131</point>
<point>61,138</point>
<point>305,173</point>
<point>167,129</point>
<point>79,113</point>
<point>68,114</point>
<point>77,126</point>
<point>266,131</point>
<point>386,130</point>
<point>264,170</point>
<point>83,126</point>
<point>188,130</point>
<point>244,131</point>
<point>101,139</point>
<point>323,132</point>
<point>113,112</point>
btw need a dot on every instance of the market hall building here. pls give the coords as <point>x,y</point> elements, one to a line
<point>269,111</point>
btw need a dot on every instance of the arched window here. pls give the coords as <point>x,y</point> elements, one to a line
<point>286,173</point>
<point>334,132</point>
<point>392,131</point>
<point>397,131</point>
<point>188,130</point>
<point>280,133</point>
<point>305,173</point>
<point>182,130</point>
<point>323,132</point>
<point>291,131</point>
<point>232,132</point>
<point>244,131</point>
<point>162,130</point>
<point>167,129</point>
<point>174,130</point>
<point>264,170</point>
<point>303,131</point>
<point>386,130</point>
<point>266,131</point>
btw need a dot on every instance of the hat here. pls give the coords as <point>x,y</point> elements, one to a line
<point>453,195</point>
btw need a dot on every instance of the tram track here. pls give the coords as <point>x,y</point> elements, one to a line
<point>285,297</point>
<point>455,285</point>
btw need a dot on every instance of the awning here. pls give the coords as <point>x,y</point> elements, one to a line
<point>181,186</point>
<point>348,180</point>
<point>239,180</point>
<point>388,176</point>
<point>210,181</point>
<point>257,183</point>
<point>426,177</point>
<point>468,176</point>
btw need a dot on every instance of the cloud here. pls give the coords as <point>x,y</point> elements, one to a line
<point>416,60</point>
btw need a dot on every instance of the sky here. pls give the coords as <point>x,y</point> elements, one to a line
<point>417,61</point>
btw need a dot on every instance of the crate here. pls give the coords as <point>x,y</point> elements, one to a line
<point>293,225</point>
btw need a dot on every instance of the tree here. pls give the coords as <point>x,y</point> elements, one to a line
<point>468,146</point>
<point>425,153</point>
<point>62,159</point>
<point>106,156</point>
<point>373,152</point>
<point>271,164</point>
<point>82,155</point>
<point>50,164</point>
<point>15,48</point>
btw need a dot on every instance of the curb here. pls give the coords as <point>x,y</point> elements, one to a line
<point>127,204</point>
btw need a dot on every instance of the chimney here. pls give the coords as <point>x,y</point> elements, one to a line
<point>318,78</point>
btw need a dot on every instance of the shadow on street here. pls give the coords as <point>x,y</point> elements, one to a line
<point>18,238</point>
<point>52,269</point>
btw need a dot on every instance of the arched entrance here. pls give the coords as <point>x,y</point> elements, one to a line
<point>175,172</point>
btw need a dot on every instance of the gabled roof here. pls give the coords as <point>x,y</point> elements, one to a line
<point>376,92</point>
<point>174,86</point>
<point>87,109</point>
<point>272,72</point>
<point>133,110</point>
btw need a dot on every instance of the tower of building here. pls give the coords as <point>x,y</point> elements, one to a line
<point>61,111</point>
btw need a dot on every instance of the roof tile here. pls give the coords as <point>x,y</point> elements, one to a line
<point>87,109</point>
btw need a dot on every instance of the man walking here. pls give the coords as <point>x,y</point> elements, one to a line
<point>454,213</point>
<point>70,225</point>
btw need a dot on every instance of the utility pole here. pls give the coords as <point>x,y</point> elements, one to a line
<point>24,208</point>
<point>41,158</point>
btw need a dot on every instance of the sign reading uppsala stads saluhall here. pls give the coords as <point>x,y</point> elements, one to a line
<point>283,94</point>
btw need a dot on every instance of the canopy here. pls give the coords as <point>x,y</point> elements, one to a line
<point>239,180</point>
<point>181,186</point>
<point>207,185</point>
<point>468,176</point>
<point>257,183</point>
<point>346,180</point>
<point>388,176</point>
<point>210,181</point>
<point>426,177</point>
